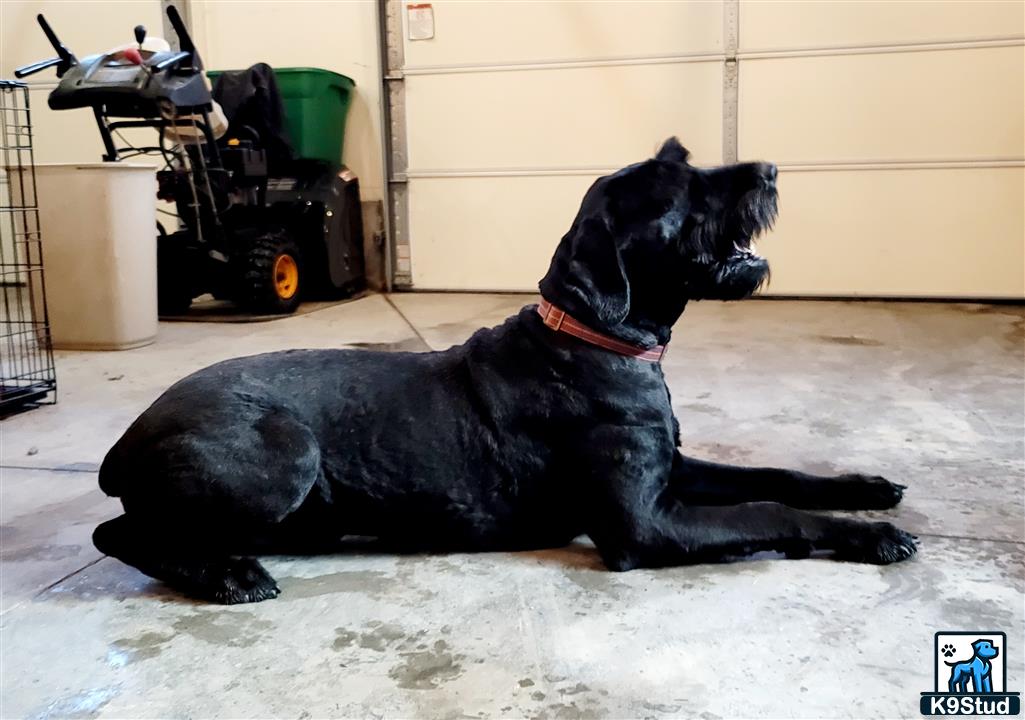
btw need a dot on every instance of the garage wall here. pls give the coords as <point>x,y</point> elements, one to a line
<point>898,128</point>
<point>337,35</point>
<point>85,27</point>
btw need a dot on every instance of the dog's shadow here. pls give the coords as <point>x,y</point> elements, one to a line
<point>580,554</point>
<point>114,580</point>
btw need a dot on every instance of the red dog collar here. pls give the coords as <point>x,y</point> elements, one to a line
<point>559,321</point>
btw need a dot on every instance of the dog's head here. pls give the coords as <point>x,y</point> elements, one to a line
<point>984,649</point>
<point>659,233</point>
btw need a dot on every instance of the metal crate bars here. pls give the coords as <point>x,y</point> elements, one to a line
<point>27,373</point>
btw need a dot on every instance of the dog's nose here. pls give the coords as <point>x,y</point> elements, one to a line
<point>768,171</point>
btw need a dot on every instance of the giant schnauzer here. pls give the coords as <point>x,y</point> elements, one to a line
<point>554,424</point>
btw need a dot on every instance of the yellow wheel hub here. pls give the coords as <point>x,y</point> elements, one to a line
<point>286,276</point>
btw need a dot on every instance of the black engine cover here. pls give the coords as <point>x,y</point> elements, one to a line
<point>323,204</point>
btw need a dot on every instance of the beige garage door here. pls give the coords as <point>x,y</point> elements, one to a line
<point>512,110</point>
<point>898,127</point>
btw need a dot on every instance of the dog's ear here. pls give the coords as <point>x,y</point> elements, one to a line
<point>587,274</point>
<point>673,151</point>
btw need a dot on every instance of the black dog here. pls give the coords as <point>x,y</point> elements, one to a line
<point>524,437</point>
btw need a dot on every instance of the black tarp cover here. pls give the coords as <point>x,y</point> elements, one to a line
<point>250,98</point>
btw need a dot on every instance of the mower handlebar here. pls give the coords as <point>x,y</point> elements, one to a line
<point>26,70</point>
<point>68,60</point>
<point>171,61</point>
<point>63,62</point>
<point>184,39</point>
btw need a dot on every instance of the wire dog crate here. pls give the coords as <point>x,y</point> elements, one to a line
<point>27,373</point>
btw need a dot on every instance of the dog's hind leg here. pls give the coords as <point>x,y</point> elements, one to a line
<point>953,684</point>
<point>195,500</point>
<point>706,483</point>
<point>184,566</point>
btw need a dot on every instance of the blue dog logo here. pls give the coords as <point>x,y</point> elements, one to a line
<point>977,670</point>
<point>970,672</point>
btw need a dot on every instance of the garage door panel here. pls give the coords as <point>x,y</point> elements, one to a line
<point>581,117</point>
<point>489,233</point>
<point>474,33</point>
<point>901,165</point>
<point>932,232</point>
<point>964,104</point>
<point>789,24</point>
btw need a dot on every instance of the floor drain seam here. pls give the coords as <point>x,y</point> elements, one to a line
<point>405,319</point>
<point>70,575</point>
<point>970,539</point>
<point>50,469</point>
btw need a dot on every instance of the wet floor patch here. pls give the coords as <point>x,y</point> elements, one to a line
<point>144,646</point>
<point>369,582</point>
<point>704,408</point>
<point>377,637</point>
<point>1015,335</point>
<point>425,661</point>
<point>85,704</point>
<point>427,669</point>
<point>849,340</point>
<point>231,628</point>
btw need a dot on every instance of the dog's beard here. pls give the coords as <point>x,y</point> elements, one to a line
<point>755,214</point>
<point>728,267</point>
<point>740,276</point>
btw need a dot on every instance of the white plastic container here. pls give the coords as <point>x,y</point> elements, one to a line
<point>99,228</point>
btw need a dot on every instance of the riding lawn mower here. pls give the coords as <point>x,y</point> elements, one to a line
<point>256,224</point>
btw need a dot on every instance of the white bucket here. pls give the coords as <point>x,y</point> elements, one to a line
<point>98,227</point>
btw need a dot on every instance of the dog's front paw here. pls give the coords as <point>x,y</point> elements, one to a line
<point>867,492</point>
<point>879,543</point>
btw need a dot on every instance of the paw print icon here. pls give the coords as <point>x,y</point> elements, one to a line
<point>947,650</point>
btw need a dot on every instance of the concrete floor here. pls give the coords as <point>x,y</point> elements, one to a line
<point>929,395</point>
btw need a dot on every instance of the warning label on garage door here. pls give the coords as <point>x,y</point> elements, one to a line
<point>420,21</point>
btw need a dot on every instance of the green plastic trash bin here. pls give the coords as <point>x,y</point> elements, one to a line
<point>316,104</point>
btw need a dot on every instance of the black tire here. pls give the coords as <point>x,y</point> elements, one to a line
<point>265,287</point>
<point>174,288</point>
